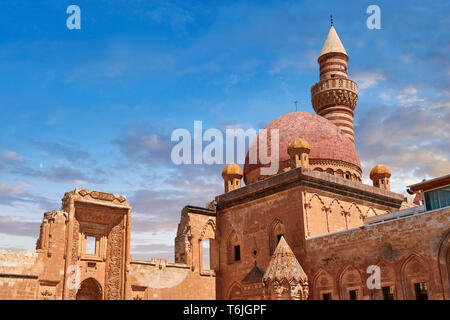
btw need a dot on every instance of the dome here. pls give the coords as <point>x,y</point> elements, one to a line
<point>379,169</point>
<point>298,143</point>
<point>231,169</point>
<point>324,138</point>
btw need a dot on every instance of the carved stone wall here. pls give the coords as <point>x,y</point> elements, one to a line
<point>114,267</point>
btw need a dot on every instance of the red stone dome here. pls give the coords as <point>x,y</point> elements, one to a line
<point>324,137</point>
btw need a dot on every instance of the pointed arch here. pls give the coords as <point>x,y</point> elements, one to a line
<point>336,219</point>
<point>208,230</point>
<point>323,285</point>
<point>354,205</point>
<point>276,230</point>
<point>370,212</point>
<point>317,212</point>
<point>233,241</point>
<point>350,283</point>
<point>90,289</point>
<point>388,280</point>
<point>315,195</point>
<point>338,202</point>
<point>415,273</point>
<point>286,293</point>
<point>353,216</point>
<point>235,292</point>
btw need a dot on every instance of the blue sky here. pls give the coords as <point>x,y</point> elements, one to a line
<point>95,107</point>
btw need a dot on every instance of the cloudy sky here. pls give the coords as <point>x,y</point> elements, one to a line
<point>95,107</point>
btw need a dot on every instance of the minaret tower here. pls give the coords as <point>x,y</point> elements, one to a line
<point>334,97</point>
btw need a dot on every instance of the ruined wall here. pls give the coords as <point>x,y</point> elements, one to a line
<point>408,250</point>
<point>189,277</point>
<point>19,273</point>
<point>159,280</point>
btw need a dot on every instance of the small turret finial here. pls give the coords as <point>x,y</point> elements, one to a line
<point>295,102</point>
<point>331,18</point>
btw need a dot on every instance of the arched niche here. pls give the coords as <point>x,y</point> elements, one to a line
<point>350,283</point>
<point>323,286</point>
<point>276,231</point>
<point>416,278</point>
<point>90,289</point>
<point>235,292</point>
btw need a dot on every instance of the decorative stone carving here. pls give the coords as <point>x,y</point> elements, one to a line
<point>284,277</point>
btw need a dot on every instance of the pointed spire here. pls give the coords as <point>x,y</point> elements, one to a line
<point>254,275</point>
<point>332,44</point>
<point>284,265</point>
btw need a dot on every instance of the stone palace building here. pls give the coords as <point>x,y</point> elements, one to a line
<point>312,231</point>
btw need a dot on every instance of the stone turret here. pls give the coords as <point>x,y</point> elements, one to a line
<point>335,96</point>
<point>298,150</point>
<point>380,175</point>
<point>232,175</point>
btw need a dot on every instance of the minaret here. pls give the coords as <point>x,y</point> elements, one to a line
<point>334,97</point>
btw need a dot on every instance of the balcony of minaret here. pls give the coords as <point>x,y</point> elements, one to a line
<point>335,99</point>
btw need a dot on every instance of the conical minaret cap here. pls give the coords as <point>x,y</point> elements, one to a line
<point>332,44</point>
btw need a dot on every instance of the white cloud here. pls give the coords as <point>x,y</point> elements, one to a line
<point>11,190</point>
<point>368,79</point>
<point>11,156</point>
<point>409,90</point>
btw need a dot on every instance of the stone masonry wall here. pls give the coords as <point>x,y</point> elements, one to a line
<point>19,272</point>
<point>408,250</point>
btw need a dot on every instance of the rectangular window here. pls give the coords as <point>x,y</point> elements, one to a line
<point>354,294</point>
<point>91,243</point>
<point>326,296</point>
<point>421,290</point>
<point>438,198</point>
<point>237,253</point>
<point>388,293</point>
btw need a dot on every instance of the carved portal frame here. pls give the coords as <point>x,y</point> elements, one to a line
<point>110,223</point>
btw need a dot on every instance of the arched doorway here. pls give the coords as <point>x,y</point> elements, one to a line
<point>90,289</point>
